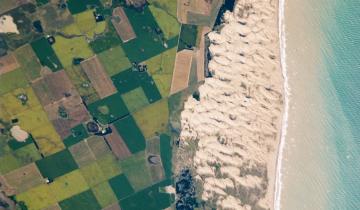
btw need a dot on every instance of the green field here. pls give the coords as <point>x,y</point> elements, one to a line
<point>153,119</point>
<point>166,154</point>
<point>104,194</point>
<point>135,99</point>
<point>108,109</point>
<point>85,200</point>
<point>12,80</point>
<point>167,22</point>
<point>98,146</point>
<point>114,60</point>
<point>137,171</point>
<point>161,69</point>
<point>76,6</point>
<point>109,165</point>
<point>131,134</point>
<point>82,154</point>
<point>57,164</point>
<point>108,40</point>
<point>28,62</point>
<point>188,36</point>
<point>93,174</point>
<point>87,24</point>
<point>68,49</point>
<point>121,186</point>
<point>78,133</point>
<point>46,54</point>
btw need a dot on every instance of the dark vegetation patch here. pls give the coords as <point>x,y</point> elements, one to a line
<point>121,186</point>
<point>129,80</point>
<point>57,164</point>
<point>46,54</point>
<point>85,200</point>
<point>76,6</point>
<point>108,109</point>
<point>131,134</point>
<point>150,198</point>
<point>107,40</point>
<point>14,145</point>
<point>187,38</point>
<point>166,154</point>
<point>185,190</point>
<point>78,133</point>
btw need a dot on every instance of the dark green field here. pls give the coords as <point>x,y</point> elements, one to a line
<point>83,201</point>
<point>46,54</point>
<point>166,154</point>
<point>131,134</point>
<point>57,164</point>
<point>76,6</point>
<point>106,41</point>
<point>121,186</point>
<point>108,109</point>
<point>78,133</point>
<point>187,37</point>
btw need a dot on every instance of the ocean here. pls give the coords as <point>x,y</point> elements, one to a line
<point>321,153</point>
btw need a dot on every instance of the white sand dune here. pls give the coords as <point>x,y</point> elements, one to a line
<point>237,121</point>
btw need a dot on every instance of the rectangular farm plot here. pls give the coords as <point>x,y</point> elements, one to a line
<point>85,200</point>
<point>57,164</point>
<point>117,144</point>
<point>12,80</point>
<point>98,146</point>
<point>104,194</point>
<point>38,197</point>
<point>181,73</point>
<point>122,25</point>
<point>121,186</point>
<point>168,23</point>
<point>82,154</point>
<point>68,49</point>
<point>24,178</point>
<point>68,185</point>
<point>46,54</point>
<point>114,206</point>
<point>114,60</point>
<point>131,134</point>
<point>166,154</point>
<point>109,165</point>
<point>136,169</point>
<point>135,99</point>
<point>8,63</point>
<point>76,6</point>
<point>92,174</point>
<point>98,77</point>
<point>108,109</point>
<point>153,119</point>
<point>87,24</point>
<point>129,80</point>
<point>28,62</point>
<point>188,37</point>
<point>109,39</point>
<point>78,133</point>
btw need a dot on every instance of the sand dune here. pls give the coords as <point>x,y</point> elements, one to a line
<point>237,120</point>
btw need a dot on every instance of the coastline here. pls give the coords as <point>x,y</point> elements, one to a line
<point>241,155</point>
<point>279,159</point>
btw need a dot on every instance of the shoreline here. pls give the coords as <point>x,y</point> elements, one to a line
<point>283,66</point>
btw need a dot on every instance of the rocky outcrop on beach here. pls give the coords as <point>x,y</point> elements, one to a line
<point>236,120</point>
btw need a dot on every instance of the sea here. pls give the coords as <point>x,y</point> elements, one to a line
<point>319,165</point>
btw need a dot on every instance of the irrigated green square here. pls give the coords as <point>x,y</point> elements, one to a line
<point>135,99</point>
<point>85,200</point>
<point>114,60</point>
<point>57,164</point>
<point>131,134</point>
<point>82,153</point>
<point>137,171</point>
<point>109,165</point>
<point>121,186</point>
<point>98,146</point>
<point>93,174</point>
<point>104,194</point>
<point>108,109</point>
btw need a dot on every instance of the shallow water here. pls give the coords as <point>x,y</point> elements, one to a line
<point>321,165</point>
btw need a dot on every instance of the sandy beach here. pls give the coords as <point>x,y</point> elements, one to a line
<point>237,121</point>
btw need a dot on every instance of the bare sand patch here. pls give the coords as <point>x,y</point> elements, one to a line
<point>19,134</point>
<point>7,25</point>
<point>237,120</point>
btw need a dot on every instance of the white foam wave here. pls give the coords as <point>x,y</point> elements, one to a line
<point>278,182</point>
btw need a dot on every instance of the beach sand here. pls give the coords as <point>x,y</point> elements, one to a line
<point>238,119</point>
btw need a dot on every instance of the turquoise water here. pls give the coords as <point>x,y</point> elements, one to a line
<point>342,61</point>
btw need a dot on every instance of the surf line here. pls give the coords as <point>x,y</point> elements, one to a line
<point>282,38</point>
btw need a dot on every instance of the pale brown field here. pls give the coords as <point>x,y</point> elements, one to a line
<point>117,144</point>
<point>181,73</point>
<point>24,178</point>
<point>98,77</point>
<point>8,63</point>
<point>122,25</point>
